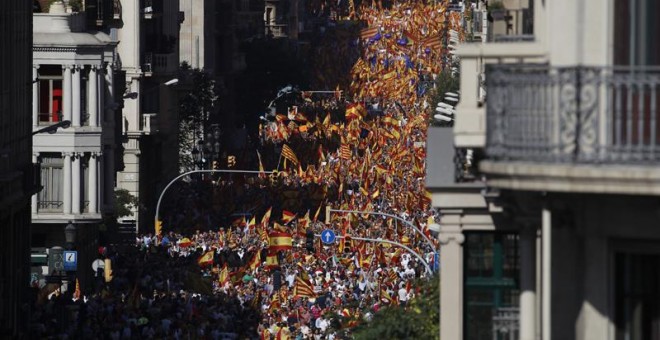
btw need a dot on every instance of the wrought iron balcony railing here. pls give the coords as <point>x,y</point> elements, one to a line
<point>573,114</point>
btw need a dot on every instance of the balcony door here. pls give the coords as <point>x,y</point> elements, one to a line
<point>637,295</point>
<point>636,32</point>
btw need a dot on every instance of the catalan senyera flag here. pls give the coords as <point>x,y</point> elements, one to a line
<point>206,259</point>
<point>301,228</point>
<point>287,216</point>
<point>345,151</point>
<point>303,288</point>
<point>288,153</point>
<point>278,240</point>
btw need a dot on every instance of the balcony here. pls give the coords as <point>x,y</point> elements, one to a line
<point>150,123</point>
<point>586,129</point>
<point>277,30</point>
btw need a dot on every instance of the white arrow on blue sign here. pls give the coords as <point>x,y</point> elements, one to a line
<point>328,236</point>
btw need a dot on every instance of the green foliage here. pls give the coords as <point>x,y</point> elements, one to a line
<point>124,202</point>
<point>76,5</point>
<point>444,82</point>
<point>495,5</point>
<point>195,108</point>
<point>420,320</point>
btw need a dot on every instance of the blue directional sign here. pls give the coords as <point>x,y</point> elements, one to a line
<point>70,260</point>
<point>328,236</point>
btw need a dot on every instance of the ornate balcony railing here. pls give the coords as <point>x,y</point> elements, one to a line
<point>573,114</point>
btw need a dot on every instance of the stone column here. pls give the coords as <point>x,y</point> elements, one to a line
<point>451,281</point>
<point>528,283</point>
<point>93,182</point>
<point>75,97</point>
<point>35,95</point>
<point>546,285</point>
<point>92,100</point>
<point>67,182</point>
<point>101,91</point>
<point>75,183</point>
<point>34,203</point>
<point>109,82</point>
<point>66,92</point>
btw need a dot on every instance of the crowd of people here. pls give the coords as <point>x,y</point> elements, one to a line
<point>240,257</point>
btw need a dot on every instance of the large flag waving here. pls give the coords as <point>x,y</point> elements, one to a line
<point>279,241</point>
<point>288,153</point>
<point>206,259</point>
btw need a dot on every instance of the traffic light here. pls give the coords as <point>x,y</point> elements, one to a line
<point>231,161</point>
<point>310,240</point>
<point>108,270</point>
<point>158,227</point>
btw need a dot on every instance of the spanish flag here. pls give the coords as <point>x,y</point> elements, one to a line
<point>271,260</point>
<point>279,241</point>
<point>224,275</point>
<point>287,216</point>
<point>288,153</point>
<point>206,259</point>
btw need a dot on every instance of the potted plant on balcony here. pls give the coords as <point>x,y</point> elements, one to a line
<point>496,10</point>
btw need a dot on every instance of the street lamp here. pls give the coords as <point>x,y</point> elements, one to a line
<point>70,235</point>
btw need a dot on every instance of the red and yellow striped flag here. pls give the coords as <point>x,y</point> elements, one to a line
<point>206,259</point>
<point>279,241</point>
<point>287,216</point>
<point>288,153</point>
<point>271,260</point>
<point>224,275</point>
<point>256,260</point>
<point>303,288</point>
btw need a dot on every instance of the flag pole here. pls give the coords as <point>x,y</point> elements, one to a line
<point>279,161</point>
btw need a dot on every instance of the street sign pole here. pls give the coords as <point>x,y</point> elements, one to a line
<point>376,240</point>
<point>221,171</point>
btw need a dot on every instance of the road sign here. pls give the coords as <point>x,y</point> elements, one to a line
<point>328,236</point>
<point>70,260</point>
<point>55,261</point>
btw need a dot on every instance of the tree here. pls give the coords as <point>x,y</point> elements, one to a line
<point>125,202</point>
<point>420,320</point>
<point>195,108</point>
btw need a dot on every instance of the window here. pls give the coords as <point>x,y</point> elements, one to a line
<point>636,31</point>
<point>50,94</point>
<point>51,196</point>
<point>637,296</point>
<point>491,286</point>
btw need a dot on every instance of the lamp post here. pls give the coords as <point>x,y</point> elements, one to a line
<point>162,193</point>
<point>70,235</point>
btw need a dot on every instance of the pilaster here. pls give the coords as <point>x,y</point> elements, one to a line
<point>66,91</point>
<point>35,95</point>
<point>76,183</point>
<point>451,240</point>
<point>76,98</point>
<point>67,183</point>
<point>92,100</point>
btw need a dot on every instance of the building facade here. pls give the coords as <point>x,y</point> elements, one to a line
<point>148,46</point>
<point>554,233</point>
<point>17,172</point>
<point>74,70</point>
